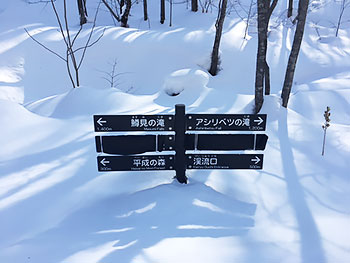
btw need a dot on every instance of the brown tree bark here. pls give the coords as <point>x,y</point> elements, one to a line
<point>261,54</point>
<point>194,5</point>
<point>293,57</point>
<point>145,13</point>
<point>162,11</point>
<point>82,11</point>
<point>121,5</point>
<point>262,75</point>
<point>290,8</point>
<point>125,16</point>
<point>218,25</point>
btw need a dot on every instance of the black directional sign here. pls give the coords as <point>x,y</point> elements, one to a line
<point>185,132</point>
<point>135,144</point>
<point>126,144</point>
<point>225,161</point>
<point>226,122</point>
<point>135,163</point>
<point>226,142</point>
<point>112,123</point>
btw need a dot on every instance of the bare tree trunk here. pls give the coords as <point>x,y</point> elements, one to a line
<point>267,68</point>
<point>293,57</point>
<point>194,5</point>
<point>162,11</point>
<point>267,78</point>
<point>218,25</point>
<point>82,11</point>
<point>145,13</point>
<point>121,5</point>
<point>263,6</point>
<point>125,16</point>
<point>262,75</point>
<point>290,8</point>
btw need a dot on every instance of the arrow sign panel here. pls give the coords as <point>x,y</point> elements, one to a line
<point>135,163</point>
<point>225,161</point>
<point>112,123</point>
<point>226,122</point>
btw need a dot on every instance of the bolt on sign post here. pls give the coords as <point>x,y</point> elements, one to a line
<point>187,136</point>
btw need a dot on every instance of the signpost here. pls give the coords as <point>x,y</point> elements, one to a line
<point>126,152</point>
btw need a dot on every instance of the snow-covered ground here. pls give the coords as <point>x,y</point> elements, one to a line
<point>56,207</point>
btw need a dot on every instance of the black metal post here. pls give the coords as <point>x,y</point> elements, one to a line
<point>180,158</point>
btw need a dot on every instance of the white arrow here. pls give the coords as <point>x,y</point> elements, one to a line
<point>104,162</point>
<point>259,120</point>
<point>100,121</point>
<point>256,160</point>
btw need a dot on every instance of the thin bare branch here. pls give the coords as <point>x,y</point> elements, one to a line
<point>66,22</point>
<point>68,69</point>
<point>90,35</point>
<point>76,35</point>
<point>59,22</point>
<point>45,47</point>
<point>270,10</point>
<point>70,45</point>
<point>111,10</point>
<point>108,80</point>
<point>93,43</point>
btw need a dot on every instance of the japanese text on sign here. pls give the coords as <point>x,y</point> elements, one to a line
<point>151,163</point>
<point>148,162</point>
<point>222,122</point>
<point>205,162</point>
<point>139,123</point>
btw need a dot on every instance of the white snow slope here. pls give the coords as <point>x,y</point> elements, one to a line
<point>56,207</point>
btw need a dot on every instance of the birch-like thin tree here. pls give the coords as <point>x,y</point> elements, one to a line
<point>73,57</point>
<point>344,5</point>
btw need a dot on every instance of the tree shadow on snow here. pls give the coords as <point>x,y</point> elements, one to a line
<point>35,185</point>
<point>118,229</point>
<point>311,248</point>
